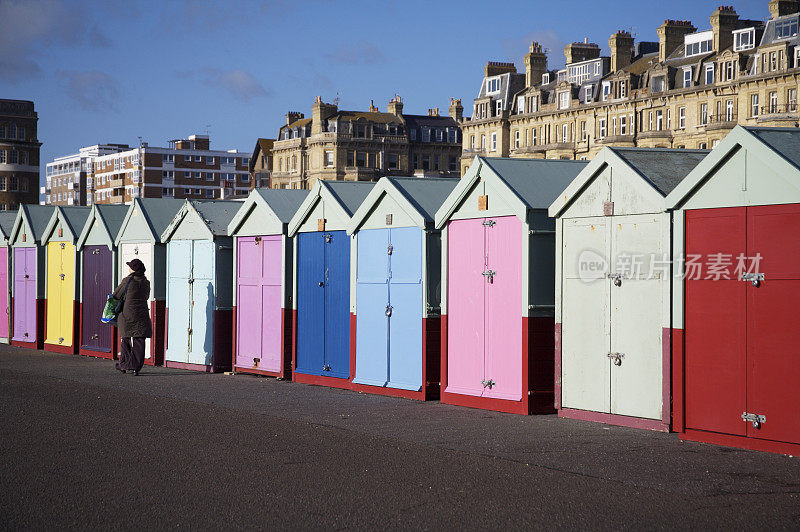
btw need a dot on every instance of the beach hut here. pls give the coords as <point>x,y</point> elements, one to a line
<point>62,286</point>
<point>199,290</point>
<point>322,302</point>
<point>261,306</point>
<point>735,333</point>
<point>613,287</point>
<point>98,277</point>
<point>497,278</point>
<point>28,274</point>
<point>397,275</point>
<point>139,237</point>
<point>7,219</point>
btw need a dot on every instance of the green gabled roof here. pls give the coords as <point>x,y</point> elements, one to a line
<point>159,212</point>
<point>7,219</point>
<point>783,140</point>
<point>110,218</point>
<point>37,218</point>
<point>283,202</point>
<point>537,182</point>
<point>73,217</point>
<point>349,194</point>
<point>663,168</point>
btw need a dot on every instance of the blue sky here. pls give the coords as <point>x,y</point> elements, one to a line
<point>114,71</point>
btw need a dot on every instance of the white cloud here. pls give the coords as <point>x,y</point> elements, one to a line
<point>240,84</point>
<point>92,90</point>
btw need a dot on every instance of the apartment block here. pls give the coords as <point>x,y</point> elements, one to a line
<point>67,176</point>
<point>187,168</point>
<point>365,145</point>
<point>19,153</point>
<point>686,90</point>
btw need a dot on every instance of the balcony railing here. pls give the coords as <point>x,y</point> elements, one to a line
<point>116,200</point>
<point>776,109</point>
<point>725,121</point>
<point>655,134</point>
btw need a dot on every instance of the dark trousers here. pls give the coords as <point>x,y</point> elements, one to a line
<point>132,356</point>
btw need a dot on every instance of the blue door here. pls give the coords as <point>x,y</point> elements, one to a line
<point>372,300</point>
<point>201,335</point>
<point>310,303</point>
<point>405,300</point>
<point>179,299</point>
<point>337,304</point>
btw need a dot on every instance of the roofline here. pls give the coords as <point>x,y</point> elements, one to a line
<point>128,216</point>
<point>314,195</point>
<point>94,214</point>
<point>253,200</point>
<point>384,186</point>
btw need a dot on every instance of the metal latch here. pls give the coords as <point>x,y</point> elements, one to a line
<point>326,367</point>
<point>256,361</point>
<point>755,419</point>
<point>388,310</point>
<point>617,278</point>
<point>488,383</point>
<point>754,278</point>
<point>321,283</point>
<point>616,357</point>
<point>27,276</point>
<point>61,340</point>
<point>63,246</point>
<point>62,276</point>
<point>489,223</point>
<point>95,336</point>
<point>389,249</point>
<point>327,238</point>
<point>489,274</point>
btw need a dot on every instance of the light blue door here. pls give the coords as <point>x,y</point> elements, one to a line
<point>310,303</point>
<point>201,341</point>
<point>405,300</point>
<point>337,304</point>
<point>372,299</point>
<point>179,298</point>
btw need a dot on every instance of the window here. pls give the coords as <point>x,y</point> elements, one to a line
<point>361,159</point>
<point>472,142</point>
<point>563,100</point>
<point>494,141</point>
<point>209,160</point>
<point>587,94</point>
<point>168,158</point>
<point>773,102</point>
<point>743,40</point>
<point>703,114</point>
<point>393,162</point>
<point>773,61</point>
<point>702,146</point>
<point>623,125</point>
<point>516,139</point>
<point>21,133</point>
<point>492,85</point>
<point>453,166</point>
<point>535,103</point>
<point>650,121</point>
<point>197,175</point>
<point>791,100</point>
<point>435,162</point>
<point>451,136</point>
<point>687,77</point>
<point>426,162</point>
<point>168,174</point>
<point>520,104</point>
<point>606,90</point>
<point>413,134</point>
<point>209,176</point>
<point>13,157</point>
<point>681,117</point>
<point>697,48</point>
<point>2,131</point>
<point>614,126</point>
<point>483,142</point>
<point>786,28</point>
<point>623,88</point>
<point>13,183</point>
<point>167,192</point>
<point>658,84</point>
<point>533,136</point>
<point>669,118</point>
<point>602,128</point>
<point>565,133</point>
<point>546,78</point>
<point>12,131</point>
<point>2,156</point>
<point>328,158</point>
<point>659,120</point>
<point>439,135</point>
<point>426,134</point>
<point>498,110</point>
<point>583,130</point>
<point>709,74</point>
<point>754,105</point>
<point>729,110</point>
<point>209,192</point>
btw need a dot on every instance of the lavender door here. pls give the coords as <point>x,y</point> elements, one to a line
<point>258,303</point>
<point>4,311</point>
<point>96,285</point>
<point>24,295</point>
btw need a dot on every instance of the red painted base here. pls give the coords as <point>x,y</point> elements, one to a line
<point>159,319</point>
<point>614,419</point>
<point>330,382</point>
<point>418,395</point>
<point>486,403</point>
<point>252,371</point>
<point>96,354</point>
<point>741,442</point>
<point>193,367</point>
<point>677,380</point>
<point>27,345</point>
<point>62,349</point>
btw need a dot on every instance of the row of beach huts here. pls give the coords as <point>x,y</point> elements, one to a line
<point>650,288</point>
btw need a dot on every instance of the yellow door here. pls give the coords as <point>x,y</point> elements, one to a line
<point>60,293</point>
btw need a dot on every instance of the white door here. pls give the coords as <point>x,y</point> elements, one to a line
<point>585,340</point>
<point>144,252</point>
<point>636,329</point>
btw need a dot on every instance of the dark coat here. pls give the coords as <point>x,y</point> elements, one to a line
<point>134,321</point>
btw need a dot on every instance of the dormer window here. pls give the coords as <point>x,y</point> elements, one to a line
<point>786,28</point>
<point>687,77</point>
<point>546,78</point>
<point>709,74</point>
<point>623,88</point>
<point>563,100</point>
<point>587,94</point>
<point>492,85</point>
<point>606,90</point>
<point>498,107</point>
<point>698,43</point>
<point>658,84</point>
<point>744,39</point>
<point>520,104</point>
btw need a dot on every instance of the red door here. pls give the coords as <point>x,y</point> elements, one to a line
<point>715,323</point>
<point>773,361</point>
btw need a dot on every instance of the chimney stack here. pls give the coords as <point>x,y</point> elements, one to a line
<point>581,51</point>
<point>293,116</point>
<point>779,8</point>
<point>456,110</point>
<point>494,68</point>
<point>535,65</point>
<point>372,108</point>
<point>723,22</point>
<point>320,113</point>
<point>396,106</point>
<point>433,112</point>
<point>670,36</point>
<point>621,44</point>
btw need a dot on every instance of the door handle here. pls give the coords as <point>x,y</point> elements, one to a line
<point>488,383</point>
<point>321,283</point>
<point>616,358</point>
<point>388,310</point>
<point>754,278</point>
<point>616,277</point>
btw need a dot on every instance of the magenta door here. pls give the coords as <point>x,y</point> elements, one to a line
<point>4,312</point>
<point>258,303</point>
<point>503,364</point>
<point>24,294</point>
<point>466,302</point>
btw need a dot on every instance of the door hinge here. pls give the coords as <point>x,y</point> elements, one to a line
<point>616,277</point>
<point>755,419</point>
<point>388,311</point>
<point>489,274</point>
<point>489,223</point>
<point>389,249</point>
<point>616,357</point>
<point>488,383</point>
<point>754,278</point>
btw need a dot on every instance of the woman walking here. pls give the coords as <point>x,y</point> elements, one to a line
<point>133,323</point>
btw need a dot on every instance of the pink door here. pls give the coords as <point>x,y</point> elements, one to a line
<point>4,312</point>
<point>504,308</point>
<point>466,307</point>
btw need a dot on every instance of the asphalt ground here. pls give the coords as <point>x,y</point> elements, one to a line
<point>83,446</point>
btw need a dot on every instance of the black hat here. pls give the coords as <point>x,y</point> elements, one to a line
<point>136,265</point>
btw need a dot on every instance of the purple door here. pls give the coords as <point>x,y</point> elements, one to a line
<point>4,311</point>
<point>258,304</point>
<point>24,294</point>
<point>96,285</point>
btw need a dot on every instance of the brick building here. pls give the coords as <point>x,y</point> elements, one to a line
<point>187,168</point>
<point>19,153</point>
<point>688,90</point>
<point>365,145</point>
<point>261,164</point>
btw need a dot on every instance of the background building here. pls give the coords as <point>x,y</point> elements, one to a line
<point>260,166</point>
<point>688,90</point>
<point>188,168</point>
<point>365,145</point>
<point>67,177</point>
<point>19,154</point>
